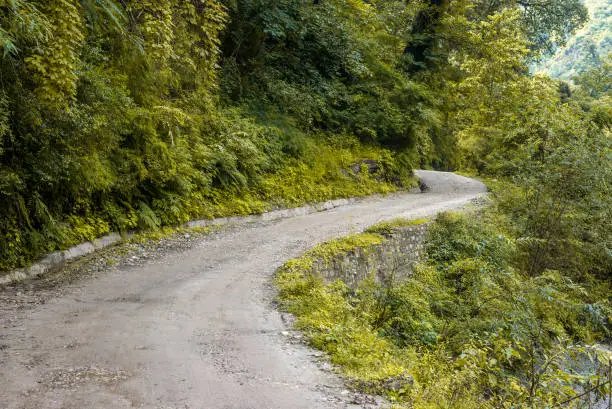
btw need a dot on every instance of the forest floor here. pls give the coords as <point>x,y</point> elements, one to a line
<point>187,322</point>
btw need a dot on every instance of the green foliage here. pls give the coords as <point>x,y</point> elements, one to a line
<point>236,178</point>
<point>465,240</point>
<point>554,159</point>
<point>548,142</point>
<point>22,21</point>
<point>53,62</point>
<point>585,50</point>
<point>432,43</point>
<point>549,23</point>
<point>595,82</point>
<point>330,320</point>
<point>110,120</point>
<point>467,330</point>
<point>330,65</point>
<point>388,227</point>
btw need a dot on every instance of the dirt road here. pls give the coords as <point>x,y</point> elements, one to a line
<point>191,328</point>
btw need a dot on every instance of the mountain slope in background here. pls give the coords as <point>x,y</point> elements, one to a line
<point>587,47</point>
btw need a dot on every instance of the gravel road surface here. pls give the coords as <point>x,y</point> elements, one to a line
<point>189,326</point>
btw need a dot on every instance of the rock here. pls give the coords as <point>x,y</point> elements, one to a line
<point>423,187</point>
<point>398,383</point>
<point>371,165</point>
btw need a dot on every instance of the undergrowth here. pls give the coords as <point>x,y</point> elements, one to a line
<point>390,226</point>
<point>322,172</point>
<point>325,313</point>
<point>467,330</point>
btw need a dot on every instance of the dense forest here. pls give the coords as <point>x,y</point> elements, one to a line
<point>117,115</point>
<point>586,48</point>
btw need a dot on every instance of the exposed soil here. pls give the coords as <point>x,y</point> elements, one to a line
<point>188,322</point>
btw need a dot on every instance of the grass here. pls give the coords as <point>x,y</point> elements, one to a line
<point>388,227</point>
<point>332,323</point>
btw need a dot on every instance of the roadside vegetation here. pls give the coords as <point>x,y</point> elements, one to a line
<point>470,328</point>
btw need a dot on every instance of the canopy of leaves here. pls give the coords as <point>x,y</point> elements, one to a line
<point>587,48</point>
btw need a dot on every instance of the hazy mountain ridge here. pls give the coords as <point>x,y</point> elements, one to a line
<point>587,47</point>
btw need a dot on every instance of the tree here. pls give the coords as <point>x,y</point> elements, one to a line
<point>546,24</point>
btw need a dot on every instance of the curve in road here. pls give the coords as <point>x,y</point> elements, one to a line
<point>196,328</point>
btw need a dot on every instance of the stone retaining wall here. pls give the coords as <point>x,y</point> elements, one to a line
<point>391,260</point>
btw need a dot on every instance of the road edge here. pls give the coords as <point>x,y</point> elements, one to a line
<point>58,259</point>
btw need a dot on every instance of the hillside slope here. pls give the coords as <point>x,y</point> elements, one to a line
<point>587,47</point>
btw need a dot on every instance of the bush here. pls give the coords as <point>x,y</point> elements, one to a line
<point>466,330</point>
